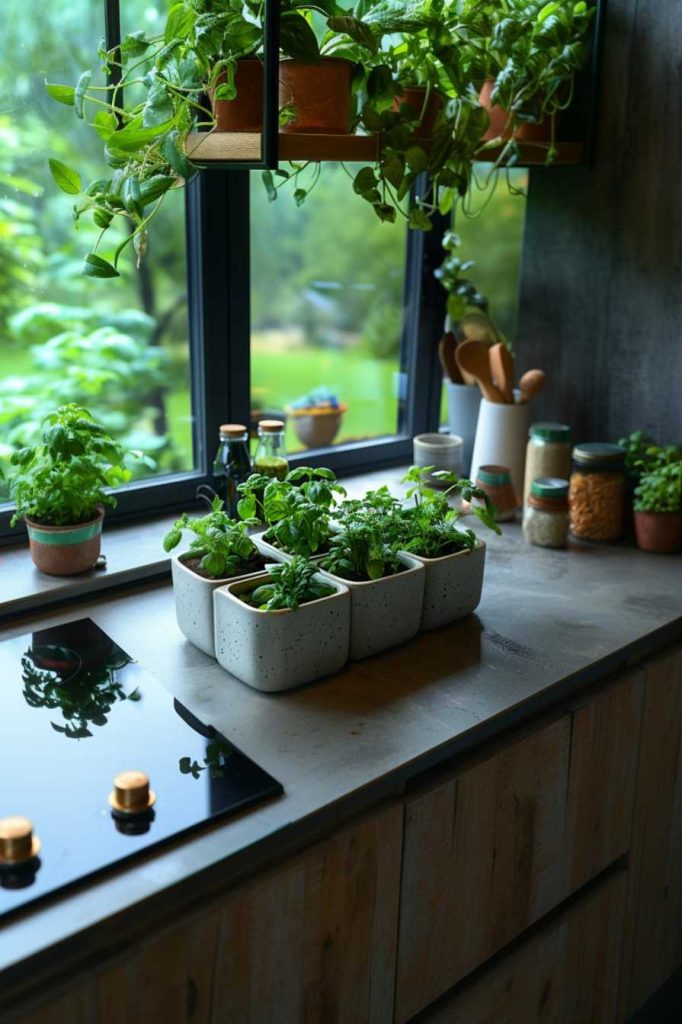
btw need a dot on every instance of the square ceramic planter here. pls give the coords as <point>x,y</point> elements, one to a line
<point>279,650</point>
<point>275,554</point>
<point>384,612</point>
<point>194,603</point>
<point>452,586</point>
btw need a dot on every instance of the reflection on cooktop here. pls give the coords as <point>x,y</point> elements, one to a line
<point>102,762</point>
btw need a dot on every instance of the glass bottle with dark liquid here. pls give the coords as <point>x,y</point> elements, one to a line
<point>270,458</point>
<point>232,464</point>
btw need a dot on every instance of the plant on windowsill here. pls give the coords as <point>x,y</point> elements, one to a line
<point>316,417</point>
<point>658,501</point>
<point>220,551</point>
<point>283,629</point>
<point>61,486</point>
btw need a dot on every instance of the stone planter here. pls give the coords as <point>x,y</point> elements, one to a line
<point>194,603</point>
<point>275,554</point>
<point>279,650</point>
<point>384,612</point>
<point>452,586</point>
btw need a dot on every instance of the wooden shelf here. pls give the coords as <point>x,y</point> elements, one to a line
<point>245,147</point>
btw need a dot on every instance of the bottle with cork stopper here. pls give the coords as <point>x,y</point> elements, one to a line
<point>232,464</point>
<point>270,457</point>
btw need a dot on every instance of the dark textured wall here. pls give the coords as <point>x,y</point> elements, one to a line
<point>601,282</point>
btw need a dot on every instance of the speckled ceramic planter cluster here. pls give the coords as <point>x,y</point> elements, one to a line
<point>278,650</point>
<point>452,586</point>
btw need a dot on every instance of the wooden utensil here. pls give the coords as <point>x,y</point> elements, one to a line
<point>472,358</point>
<point>502,370</point>
<point>446,354</point>
<point>531,383</point>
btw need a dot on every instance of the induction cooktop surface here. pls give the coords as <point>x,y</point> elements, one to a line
<point>75,712</point>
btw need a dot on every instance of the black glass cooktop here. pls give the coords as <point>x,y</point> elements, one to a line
<point>75,711</point>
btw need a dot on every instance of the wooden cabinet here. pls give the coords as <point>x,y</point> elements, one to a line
<point>565,973</point>
<point>313,941</point>
<point>654,921</point>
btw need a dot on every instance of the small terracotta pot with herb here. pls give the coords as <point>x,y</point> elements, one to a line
<point>658,505</point>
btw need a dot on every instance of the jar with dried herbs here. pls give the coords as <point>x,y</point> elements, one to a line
<point>596,494</point>
<point>548,454</point>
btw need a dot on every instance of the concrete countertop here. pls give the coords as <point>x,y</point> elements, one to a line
<point>549,623</point>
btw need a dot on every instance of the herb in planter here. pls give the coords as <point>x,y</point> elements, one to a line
<point>64,480</point>
<point>292,584</point>
<point>366,548</point>
<point>220,547</point>
<point>430,527</point>
<point>660,489</point>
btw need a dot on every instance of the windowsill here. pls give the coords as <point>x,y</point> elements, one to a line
<point>134,553</point>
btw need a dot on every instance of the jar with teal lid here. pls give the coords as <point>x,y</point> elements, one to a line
<point>548,454</point>
<point>496,482</point>
<point>545,517</point>
<point>596,495</point>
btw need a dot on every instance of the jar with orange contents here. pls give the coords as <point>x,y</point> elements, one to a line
<point>596,496</point>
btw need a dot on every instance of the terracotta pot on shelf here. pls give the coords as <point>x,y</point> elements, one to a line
<point>316,427</point>
<point>659,532</point>
<point>245,112</point>
<point>415,96</point>
<point>319,94</point>
<point>65,550</point>
<point>499,126</point>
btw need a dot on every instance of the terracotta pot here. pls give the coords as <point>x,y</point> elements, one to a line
<point>660,532</point>
<point>316,428</point>
<point>499,126</point>
<point>65,550</point>
<point>245,112</point>
<point>319,93</point>
<point>414,96</point>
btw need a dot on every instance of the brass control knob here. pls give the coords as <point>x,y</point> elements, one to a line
<point>131,793</point>
<point>17,842</point>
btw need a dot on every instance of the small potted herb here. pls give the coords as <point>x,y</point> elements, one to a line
<point>220,551</point>
<point>658,504</point>
<point>297,511</point>
<point>386,585</point>
<point>316,417</point>
<point>453,558</point>
<point>284,629</point>
<point>61,486</point>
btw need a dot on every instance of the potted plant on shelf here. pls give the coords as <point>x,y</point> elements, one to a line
<point>61,486</point>
<point>316,417</point>
<point>386,585</point>
<point>658,503</point>
<point>220,551</point>
<point>453,558</point>
<point>283,629</point>
<point>297,511</point>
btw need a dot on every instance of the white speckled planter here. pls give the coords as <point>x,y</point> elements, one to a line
<point>282,649</point>
<point>384,612</point>
<point>276,554</point>
<point>194,603</point>
<point>452,587</point>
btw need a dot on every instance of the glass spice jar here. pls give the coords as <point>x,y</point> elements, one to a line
<point>548,454</point>
<point>496,482</point>
<point>596,495</point>
<point>545,518</point>
<point>270,457</point>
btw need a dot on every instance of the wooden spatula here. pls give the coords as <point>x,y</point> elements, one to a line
<point>446,354</point>
<point>531,383</point>
<point>472,358</point>
<point>502,370</point>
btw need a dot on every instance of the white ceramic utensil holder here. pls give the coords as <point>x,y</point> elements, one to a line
<point>463,405</point>
<point>501,438</point>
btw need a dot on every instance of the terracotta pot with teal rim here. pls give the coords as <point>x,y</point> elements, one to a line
<point>65,550</point>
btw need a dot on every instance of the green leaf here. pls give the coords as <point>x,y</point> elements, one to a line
<point>300,196</point>
<point>269,184</point>
<point>417,158</point>
<point>419,220</point>
<point>355,29</point>
<point>364,181</point>
<point>179,23</point>
<point>105,124</point>
<point>95,266</point>
<point>297,38</point>
<point>81,89</point>
<point>548,9</point>
<point>175,157</point>
<point>61,93</point>
<point>66,178</point>
<point>385,212</point>
<point>128,140</point>
<point>158,109</point>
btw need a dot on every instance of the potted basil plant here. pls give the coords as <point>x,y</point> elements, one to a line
<point>283,629</point>
<point>658,504</point>
<point>220,551</point>
<point>61,486</point>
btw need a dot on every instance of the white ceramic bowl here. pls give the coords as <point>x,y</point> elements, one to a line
<point>444,451</point>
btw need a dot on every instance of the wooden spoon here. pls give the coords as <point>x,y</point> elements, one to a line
<point>446,354</point>
<point>502,370</point>
<point>531,383</point>
<point>472,358</point>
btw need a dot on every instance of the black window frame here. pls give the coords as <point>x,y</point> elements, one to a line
<point>217,219</point>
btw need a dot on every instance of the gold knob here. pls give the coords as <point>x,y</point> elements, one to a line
<point>17,842</point>
<point>131,794</point>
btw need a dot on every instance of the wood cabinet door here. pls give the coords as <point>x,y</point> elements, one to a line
<point>310,942</point>
<point>564,973</point>
<point>483,859</point>
<point>653,951</point>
